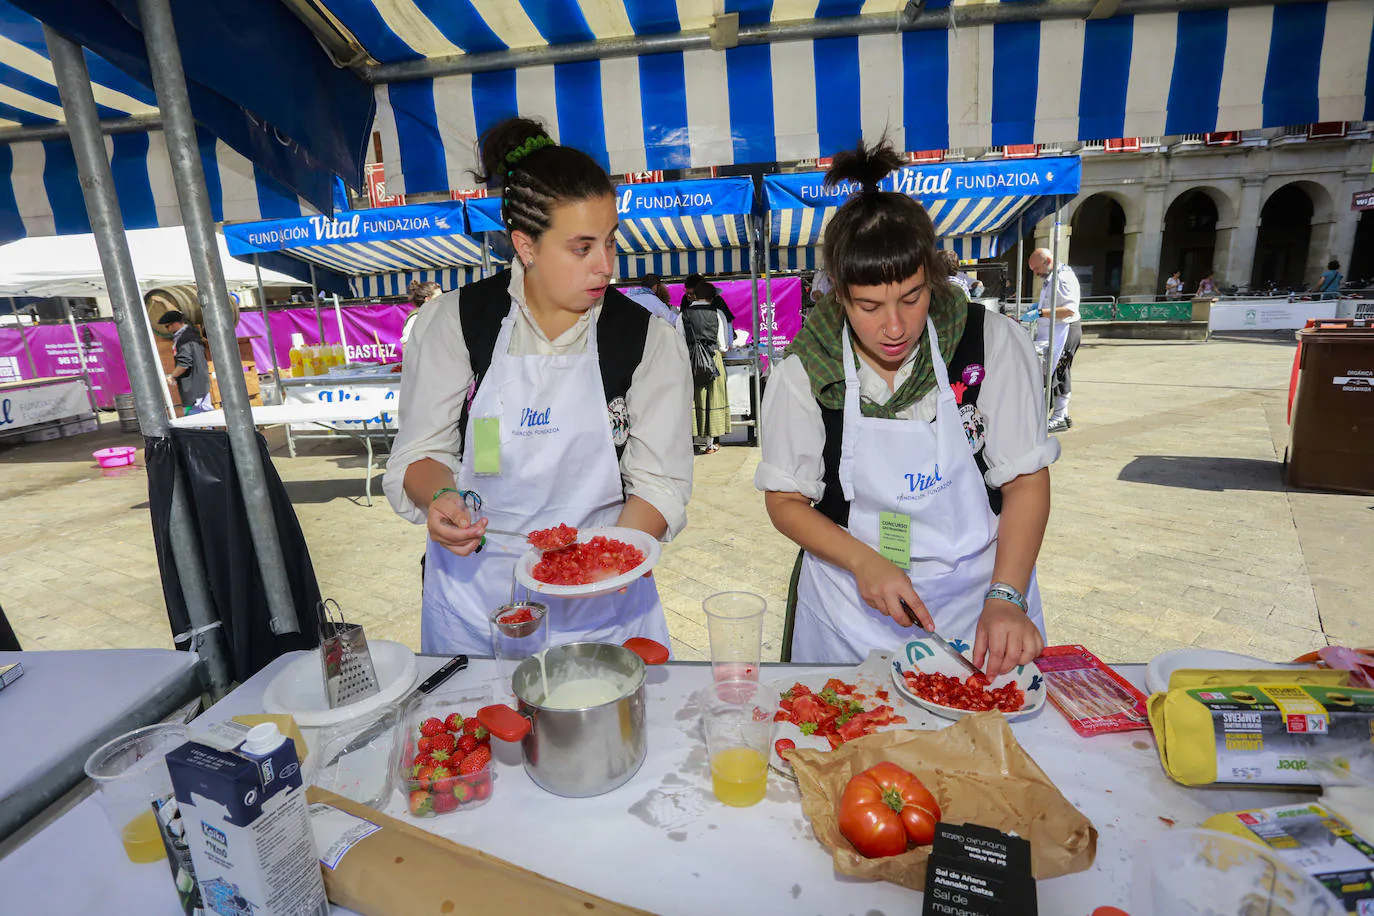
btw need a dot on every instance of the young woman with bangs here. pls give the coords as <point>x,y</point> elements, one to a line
<point>904,448</point>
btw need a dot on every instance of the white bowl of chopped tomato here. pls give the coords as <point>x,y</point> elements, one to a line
<point>599,562</point>
<point>928,677</point>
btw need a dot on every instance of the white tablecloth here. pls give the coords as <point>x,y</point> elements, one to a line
<point>66,703</point>
<point>273,414</point>
<point>661,842</point>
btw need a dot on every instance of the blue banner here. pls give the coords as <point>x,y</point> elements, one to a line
<point>385,224</point>
<point>702,197</point>
<point>484,215</point>
<point>1060,175</point>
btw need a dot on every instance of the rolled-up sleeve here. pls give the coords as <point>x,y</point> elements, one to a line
<point>1012,402</point>
<point>656,465</point>
<point>793,434</point>
<point>435,378</point>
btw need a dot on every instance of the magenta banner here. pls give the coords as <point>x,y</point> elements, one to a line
<point>55,355</point>
<point>785,320</point>
<point>373,332</point>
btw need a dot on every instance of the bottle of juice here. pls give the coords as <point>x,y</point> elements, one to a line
<point>339,354</point>
<point>298,361</point>
<point>317,366</point>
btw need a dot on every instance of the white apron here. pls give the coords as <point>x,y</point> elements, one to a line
<point>927,472</point>
<point>558,465</point>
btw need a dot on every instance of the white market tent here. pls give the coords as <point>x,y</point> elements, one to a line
<point>69,265</point>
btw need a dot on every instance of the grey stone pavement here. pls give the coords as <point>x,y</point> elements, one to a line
<point>1171,527</point>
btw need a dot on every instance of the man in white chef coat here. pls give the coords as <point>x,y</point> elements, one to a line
<point>1067,329</point>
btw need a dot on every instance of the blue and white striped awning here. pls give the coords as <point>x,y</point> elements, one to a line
<point>374,286</point>
<point>682,263</point>
<point>682,233</point>
<point>1040,81</point>
<point>40,191</point>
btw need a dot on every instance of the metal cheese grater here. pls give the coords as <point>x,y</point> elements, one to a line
<point>344,657</point>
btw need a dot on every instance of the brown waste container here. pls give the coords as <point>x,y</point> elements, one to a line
<point>1331,433</point>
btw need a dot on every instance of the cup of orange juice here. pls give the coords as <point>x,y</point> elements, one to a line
<point>130,773</point>
<point>737,718</point>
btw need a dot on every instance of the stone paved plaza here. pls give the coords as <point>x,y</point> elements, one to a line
<point>1171,526</point>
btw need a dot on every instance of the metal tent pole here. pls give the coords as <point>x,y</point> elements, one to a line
<point>768,293</point>
<point>23,338</point>
<point>338,315</point>
<point>267,327</point>
<point>1020,263</point>
<point>131,321</point>
<point>80,354</point>
<point>169,82</point>
<point>1053,280</point>
<point>486,255</point>
<point>754,298</point>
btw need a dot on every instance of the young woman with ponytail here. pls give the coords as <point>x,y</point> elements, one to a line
<point>904,447</point>
<point>554,397</point>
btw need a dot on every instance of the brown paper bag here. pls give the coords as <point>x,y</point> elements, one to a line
<point>403,869</point>
<point>978,774</point>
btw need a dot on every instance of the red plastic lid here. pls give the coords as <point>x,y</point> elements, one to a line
<point>653,653</point>
<point>1109,911</point>
<point>504,722</point>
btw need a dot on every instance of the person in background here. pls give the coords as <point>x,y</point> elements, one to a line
<point>192,370</point>
<point>654,284</point>
<point>708,337</point>
<point>1173,287</point>
<point>419,292</point>
<point>1208,285</point>
<point>955,276</point>
<point>1067,330</point>
<point>1329,286</point>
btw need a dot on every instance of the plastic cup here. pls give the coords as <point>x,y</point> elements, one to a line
<point>737,719</point>
<point>130,773</point>
<point>734,623</point>
<point>515,638</point>
<point>1207,873</point>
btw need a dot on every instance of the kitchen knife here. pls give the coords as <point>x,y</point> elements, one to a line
<point>450,668</point>
<point>949,650</point>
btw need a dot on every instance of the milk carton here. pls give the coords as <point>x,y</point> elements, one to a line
<point>248,827</point>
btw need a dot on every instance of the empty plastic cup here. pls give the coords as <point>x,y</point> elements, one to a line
<point>734,622</point>
<point>737,719</point>
<point>130,773</point>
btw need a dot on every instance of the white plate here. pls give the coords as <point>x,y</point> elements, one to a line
<point>1158,671</point>
<point>647,544</point>
<point>299,688</point>
<point>868,678</point>
<point>922,656</point>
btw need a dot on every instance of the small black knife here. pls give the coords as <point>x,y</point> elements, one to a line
<point>450,668</point>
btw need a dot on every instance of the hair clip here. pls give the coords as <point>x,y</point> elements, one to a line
<point>524,149</point>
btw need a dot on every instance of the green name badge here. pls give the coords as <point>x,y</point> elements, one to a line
<point>486,445</point>
<point>894,538</point>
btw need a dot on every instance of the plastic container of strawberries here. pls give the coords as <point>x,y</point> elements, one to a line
<point>435,784</point>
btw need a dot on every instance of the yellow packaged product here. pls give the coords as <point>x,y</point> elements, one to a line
<point>1209,677</point>
<point>1314,840</point>
<point>1280,734</point>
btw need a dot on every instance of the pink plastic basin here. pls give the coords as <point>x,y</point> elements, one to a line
<point>116,457</point>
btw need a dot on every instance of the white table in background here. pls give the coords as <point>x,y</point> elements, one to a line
<point>662,843</point>
<point>326,416</point>
<point>69,703</point>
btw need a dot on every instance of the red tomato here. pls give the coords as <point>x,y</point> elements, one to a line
<point>972,694</point>
<point>552,538</point>
<point>884,808</point>
<point>585,563</point>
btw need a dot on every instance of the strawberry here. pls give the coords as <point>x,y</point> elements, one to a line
<point>424,776</point>
<point>467,744</point>
<point>475,762</point>
<point>782,745</point>
<point>421,803</point>
<point>425,745</point>
<point>444,742</point>
<point>474,728</point>
<point>441,758</point>
<point>454,722</point>
<point>422,760</point>
<point>463,791</point>
<point>444,802</point>
<point>481,788</point>
<point>442,772</point>
<point>432,726</point>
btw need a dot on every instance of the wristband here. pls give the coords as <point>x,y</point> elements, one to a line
<point>1004,592</point>
<point>442,490</point>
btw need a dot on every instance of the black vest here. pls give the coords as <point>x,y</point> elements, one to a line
<point>621,331</point>
<point>833,505</point>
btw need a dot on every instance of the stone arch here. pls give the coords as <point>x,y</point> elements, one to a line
<point>1097,242</point>
<point>1189,240</point>
<point>1295,234</point>
<point>1226,205</point>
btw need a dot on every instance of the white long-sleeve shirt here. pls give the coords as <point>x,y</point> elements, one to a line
<point>1069,295</point>
<point>656,464</point>
<point>1011,400</point>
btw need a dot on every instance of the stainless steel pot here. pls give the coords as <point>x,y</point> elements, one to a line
<point>579,752</point>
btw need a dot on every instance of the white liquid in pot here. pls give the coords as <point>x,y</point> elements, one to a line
<point>581,693</point>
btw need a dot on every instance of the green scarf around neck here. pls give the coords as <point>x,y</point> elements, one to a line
<point>820,347</point>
